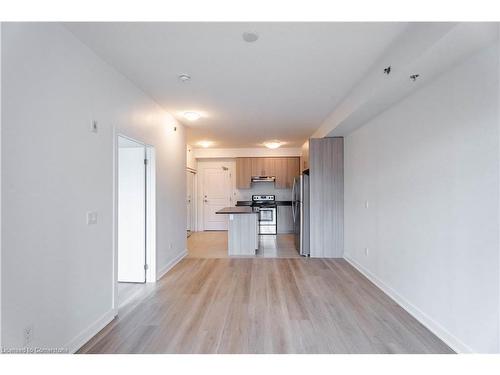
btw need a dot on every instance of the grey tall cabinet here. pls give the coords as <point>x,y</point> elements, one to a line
<point>326,171</point>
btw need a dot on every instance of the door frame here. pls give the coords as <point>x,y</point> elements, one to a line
<point>150,181</point>
<point>194,218</point>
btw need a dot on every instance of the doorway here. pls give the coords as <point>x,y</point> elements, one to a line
<point>135,217</point>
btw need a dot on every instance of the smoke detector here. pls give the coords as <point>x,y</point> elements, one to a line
<point>250,37</point>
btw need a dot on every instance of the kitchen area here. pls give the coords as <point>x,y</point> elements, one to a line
<point>270,206</point>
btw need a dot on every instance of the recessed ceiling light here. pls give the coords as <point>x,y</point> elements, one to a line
<point>184,77</point>
<point>250,37</point>
<point>205,144</point>
<point>191,116</point>
<point>273,144</point>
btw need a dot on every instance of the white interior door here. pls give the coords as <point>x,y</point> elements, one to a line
<point>190,200</point>
<point>216,195</point>
<point>131,211</point>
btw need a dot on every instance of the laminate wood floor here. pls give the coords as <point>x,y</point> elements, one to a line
<point>213,244</point>
<point>262,305</point>
<point>128,291</point>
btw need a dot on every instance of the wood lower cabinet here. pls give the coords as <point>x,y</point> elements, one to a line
<point>285,169</point>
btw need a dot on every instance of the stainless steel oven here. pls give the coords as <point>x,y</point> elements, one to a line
<point>267,220</point>
<point>266,206</point>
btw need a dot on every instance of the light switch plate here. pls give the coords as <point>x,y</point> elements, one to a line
<point>91,218</point>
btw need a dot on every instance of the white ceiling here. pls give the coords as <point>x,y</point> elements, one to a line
<point>427,49</point>
<point>281,87</point>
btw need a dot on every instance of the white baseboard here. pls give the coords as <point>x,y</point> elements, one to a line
<point>449,339</point>
<point>170,265</point>
<point>91,331</point>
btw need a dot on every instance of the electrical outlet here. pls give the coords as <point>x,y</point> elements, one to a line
<point>28,335</point>
<point>170,245</point>
<point>367,251</point>
<point>91,218</point>
<point>366,204</point>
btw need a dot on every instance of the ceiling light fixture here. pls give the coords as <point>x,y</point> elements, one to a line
<point>205,144</point>
<point>250,37</point>
<point>273,144</point>
<point>191,116</point>
<point>184,77</point>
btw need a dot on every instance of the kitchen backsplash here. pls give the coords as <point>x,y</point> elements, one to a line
<point>262,188</point>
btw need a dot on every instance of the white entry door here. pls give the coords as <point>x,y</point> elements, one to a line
<point>131,211</point>
<point>216,195</point>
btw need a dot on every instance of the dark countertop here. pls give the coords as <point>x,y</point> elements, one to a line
<point>249,203</point>
<point>237,210</point>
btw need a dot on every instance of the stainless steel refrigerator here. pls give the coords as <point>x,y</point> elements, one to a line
<point>300,212</point>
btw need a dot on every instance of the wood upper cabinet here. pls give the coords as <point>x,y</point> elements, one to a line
<point>269,166</point>
<point>243,173</point>
<point>304,159</point>
<point>263,166</point>
<point>257,166</point>
<point>283,168</point>
<point>292,169</point>
<point>281,173</point>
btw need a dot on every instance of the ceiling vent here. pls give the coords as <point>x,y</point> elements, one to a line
<point>184,77</point>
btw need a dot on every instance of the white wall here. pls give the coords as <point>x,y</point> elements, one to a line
<point>429,169</point>
<point>56,270</point>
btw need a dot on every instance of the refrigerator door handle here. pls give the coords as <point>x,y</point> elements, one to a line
<point>293,199</point>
